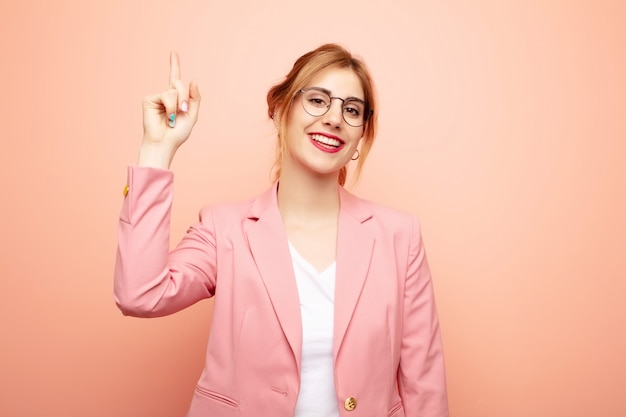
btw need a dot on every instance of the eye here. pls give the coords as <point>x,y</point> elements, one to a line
<point>317,99</point>
<point>352,111</point>
<point>318,102</point>
<point>353,108</point>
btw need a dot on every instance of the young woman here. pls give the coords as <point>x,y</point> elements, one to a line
<point>323,301</point>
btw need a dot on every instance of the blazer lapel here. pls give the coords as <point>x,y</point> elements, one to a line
<point>354,251</point>
<point>268,243</point>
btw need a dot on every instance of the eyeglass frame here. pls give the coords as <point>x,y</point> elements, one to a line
<point>367,111</point>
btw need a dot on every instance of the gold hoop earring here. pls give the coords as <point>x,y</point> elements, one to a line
<point>357,155</point>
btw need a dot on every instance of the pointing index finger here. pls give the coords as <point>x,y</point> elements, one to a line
<point>174,68</point>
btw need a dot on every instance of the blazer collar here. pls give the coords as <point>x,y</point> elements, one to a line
<point>350,204</point>
<point>268,243</point>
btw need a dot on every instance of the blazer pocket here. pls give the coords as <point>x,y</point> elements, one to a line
<point>396,411</point>
<point>210,403</point>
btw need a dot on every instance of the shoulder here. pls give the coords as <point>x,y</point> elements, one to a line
<point>226,212</point>
<point>379,215</point>
<point>239,211</point>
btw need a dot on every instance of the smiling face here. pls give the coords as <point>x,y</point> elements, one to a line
<point>317,65</point>
<point>322,145</point>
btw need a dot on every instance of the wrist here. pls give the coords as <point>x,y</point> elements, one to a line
<point>155,155</point>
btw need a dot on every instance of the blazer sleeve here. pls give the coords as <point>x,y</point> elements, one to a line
<point>149,281</point>
<point>421,375</point>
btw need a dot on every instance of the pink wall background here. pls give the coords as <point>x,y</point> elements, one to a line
<point>502,126</point>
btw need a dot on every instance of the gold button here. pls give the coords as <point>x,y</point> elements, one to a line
<point>350,404</point>
<point>126,188</point>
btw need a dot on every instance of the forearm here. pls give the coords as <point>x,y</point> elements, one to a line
<point>143,240</point>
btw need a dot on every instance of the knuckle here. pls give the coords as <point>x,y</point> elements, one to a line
<point>169,95</point>
<point>176,85</point>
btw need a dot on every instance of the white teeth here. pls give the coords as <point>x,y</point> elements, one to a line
<point>326,140</point>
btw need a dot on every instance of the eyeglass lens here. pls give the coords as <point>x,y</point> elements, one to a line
<point>317,103</point>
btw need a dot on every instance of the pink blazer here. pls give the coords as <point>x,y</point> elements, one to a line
<point>387,348</point>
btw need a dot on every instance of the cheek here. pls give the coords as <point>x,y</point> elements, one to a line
<point>358,138</point>
<point>296,121</point>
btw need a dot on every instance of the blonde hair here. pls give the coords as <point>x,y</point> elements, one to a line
<point>281,96</point>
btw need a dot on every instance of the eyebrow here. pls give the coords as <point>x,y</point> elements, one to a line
<point>330,94</point>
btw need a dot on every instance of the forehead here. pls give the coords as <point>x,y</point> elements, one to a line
<point>341,82</point>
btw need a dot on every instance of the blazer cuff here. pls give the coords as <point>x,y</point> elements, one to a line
<point>145,186</point>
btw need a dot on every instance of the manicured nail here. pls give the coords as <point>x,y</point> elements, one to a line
<point>172,121</point>
<point>184,107</point>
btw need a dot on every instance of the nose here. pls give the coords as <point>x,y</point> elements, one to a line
<point>333,117</point>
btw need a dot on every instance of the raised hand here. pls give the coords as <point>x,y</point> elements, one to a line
<point>168,118</point>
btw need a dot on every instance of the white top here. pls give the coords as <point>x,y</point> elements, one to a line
<point>317,396</point>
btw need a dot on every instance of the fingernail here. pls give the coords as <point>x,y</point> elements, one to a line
<point>172,121</point>
<point>184,107</point>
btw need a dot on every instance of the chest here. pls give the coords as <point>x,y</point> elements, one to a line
<point>317,244</point>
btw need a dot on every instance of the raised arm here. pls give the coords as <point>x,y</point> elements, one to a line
<point>147,281</point>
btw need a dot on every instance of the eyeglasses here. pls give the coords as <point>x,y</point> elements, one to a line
<point>316,102</point>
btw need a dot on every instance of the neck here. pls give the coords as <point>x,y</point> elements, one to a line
<point>307,198</point>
